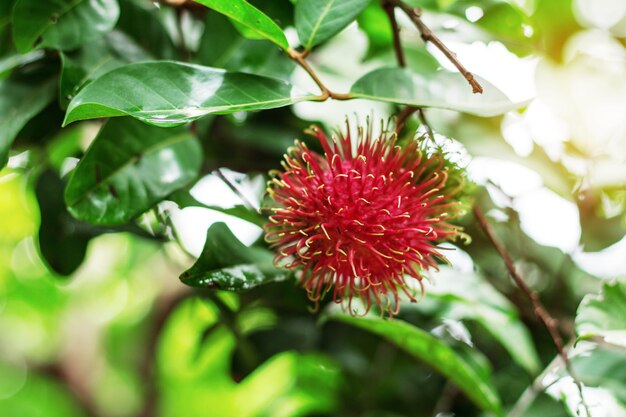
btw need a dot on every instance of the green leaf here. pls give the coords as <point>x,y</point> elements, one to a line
<point>21,99</point>
<point>597,230</point>
<point>280,11</point>
<point>251,17</point>
<point>128,169</point>
<point>61,24</point>
<point>194,355</point>
<point>604,315</point>
<point>470,296</point>
<point>62,240</point>
<point>422,345</point>
<point>228,264</point>
<point>95,59</point>
<point>442,89</point>
<point>603,366</point>
<point>319,20</point>
<point>169,93</point>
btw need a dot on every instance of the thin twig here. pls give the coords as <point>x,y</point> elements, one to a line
<point>397,46</point>
<point>415,14</point>
<point>235,189</point>
<point>540,311</point>
<point>421,114</point>
<point>403,116</point>
<point>326,92</point>
<point>389,7</point>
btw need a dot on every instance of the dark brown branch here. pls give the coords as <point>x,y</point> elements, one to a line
<point>415,14</point>
<point>389,8</point>
<point>403,116</point>
<point>539,309</point>
<point>397,46</point>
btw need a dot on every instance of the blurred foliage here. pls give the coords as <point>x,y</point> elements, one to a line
<point>97,223</point>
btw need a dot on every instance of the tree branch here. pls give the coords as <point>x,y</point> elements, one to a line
<point>403,116</point>
<point>421,114</point>
<point>235,189</point>
<point>540,311</point>
<point>389,7</point>
<point>397,46</point>
<point>299,58</point>
<point>415,14</point>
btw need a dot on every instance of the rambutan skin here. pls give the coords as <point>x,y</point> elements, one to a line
<point>362,218</point>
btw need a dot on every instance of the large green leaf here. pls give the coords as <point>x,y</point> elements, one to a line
<point>251,17</point>
<point>95,59</point>
<point>318,20</point>
<point>61,24</point>
<point>129,168</point>
<point>194,357</point>
<point>441,89</point>
<point>424,346</point>
<point>470,296</point>
<point>604,315</point>
<point>228,264</point>
<point>169,93</point>
<point>21,98</point>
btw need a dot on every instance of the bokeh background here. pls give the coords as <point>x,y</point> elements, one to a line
<point>121,336</point>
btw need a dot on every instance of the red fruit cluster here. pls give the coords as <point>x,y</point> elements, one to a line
<point>363,218</point>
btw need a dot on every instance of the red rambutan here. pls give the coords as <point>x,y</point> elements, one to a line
<point>363,218</point>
